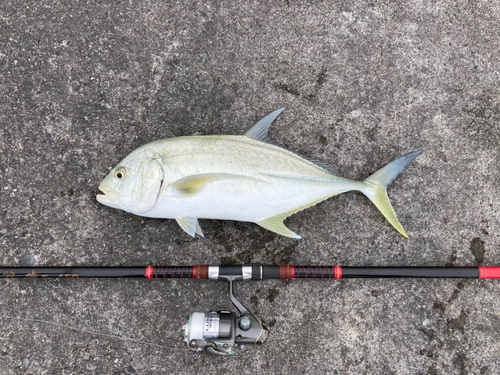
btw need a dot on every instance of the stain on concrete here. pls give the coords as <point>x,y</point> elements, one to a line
<point>458,324</point>
<point>478,250</point>
<point>456,292</point>
<point>272,294</point>
<point>439,307</point>
<point>462,364</point>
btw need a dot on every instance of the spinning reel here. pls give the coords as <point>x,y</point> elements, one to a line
<point>217,332</point>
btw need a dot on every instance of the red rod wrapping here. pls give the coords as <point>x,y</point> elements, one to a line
<point>172,272</point>
<point>317,272</point>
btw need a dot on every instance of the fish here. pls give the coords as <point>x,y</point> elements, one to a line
<point>245,178</point>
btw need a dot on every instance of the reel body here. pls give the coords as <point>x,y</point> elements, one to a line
<point>218,332</point>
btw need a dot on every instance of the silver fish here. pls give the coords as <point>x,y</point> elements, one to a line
<point>227,177</point>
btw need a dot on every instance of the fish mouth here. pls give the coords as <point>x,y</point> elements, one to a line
<point>107,199</point>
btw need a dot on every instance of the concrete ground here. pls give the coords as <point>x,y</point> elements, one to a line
<point>84,83</point>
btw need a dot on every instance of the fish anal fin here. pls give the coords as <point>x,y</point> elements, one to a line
<point>275,224</point>
<point>190,225</point>
<point>191,185</point>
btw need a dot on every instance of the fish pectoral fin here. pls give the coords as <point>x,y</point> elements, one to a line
<point>191,185</point>
<point>190,225</point>
<point>275,224</point>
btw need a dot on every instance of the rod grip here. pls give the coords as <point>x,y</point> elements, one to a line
<point>270,272</point>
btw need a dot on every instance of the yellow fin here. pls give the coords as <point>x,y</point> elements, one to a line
<point>380,199</point>
<point>191,185</point>
<point>376,187</point>
<point>275,224</point>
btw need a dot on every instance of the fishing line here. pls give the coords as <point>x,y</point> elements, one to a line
<point>94,332</point>
<point>44,214</point>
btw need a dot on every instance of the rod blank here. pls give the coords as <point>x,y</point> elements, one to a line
<point>254,272</point>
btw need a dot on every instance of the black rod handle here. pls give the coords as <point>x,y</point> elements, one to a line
<point>149,272</point>
<point>71,272</point>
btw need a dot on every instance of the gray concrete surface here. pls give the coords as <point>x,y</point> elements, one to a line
<point>84,83</point>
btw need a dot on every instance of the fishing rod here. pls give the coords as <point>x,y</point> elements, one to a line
<point>218,332</point>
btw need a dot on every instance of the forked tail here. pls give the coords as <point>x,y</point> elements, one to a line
<point>375,187</point>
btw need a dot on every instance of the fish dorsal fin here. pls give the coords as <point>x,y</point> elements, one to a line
<point>318,163</point>
<point>190,225</point>
<point>191,185</point>
<point>260,130</point>
<point>275,224</point>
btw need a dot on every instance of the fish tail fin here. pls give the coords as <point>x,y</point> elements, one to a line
<point>375,187</point>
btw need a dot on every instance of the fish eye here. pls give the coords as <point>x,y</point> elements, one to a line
<point>120,173</point>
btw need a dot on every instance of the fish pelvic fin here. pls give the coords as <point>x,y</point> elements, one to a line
<point>190,225</point>
<point>375,187</point>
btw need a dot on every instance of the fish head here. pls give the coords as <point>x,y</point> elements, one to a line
<point>133,185</point>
